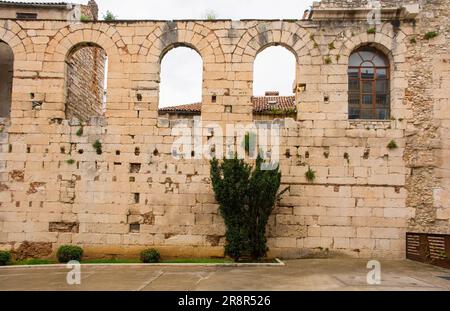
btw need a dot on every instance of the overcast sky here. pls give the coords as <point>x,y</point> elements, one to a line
<point>181,72</point>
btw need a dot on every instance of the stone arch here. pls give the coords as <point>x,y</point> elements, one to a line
<point>6,78</point>
<point>190,34</point>
<point>74,35</point>
<point>287,34</point>
<point>11,33</point>
<point>189,76</point>
<point>294,64</point>
<point>390,44</point>
<point>85,85</point>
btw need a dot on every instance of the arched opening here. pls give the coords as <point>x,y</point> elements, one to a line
<point>181,81</point>
<point>274,77</point>
<point>86,82</point>
<point>6,79</point>
<point>368,85</point>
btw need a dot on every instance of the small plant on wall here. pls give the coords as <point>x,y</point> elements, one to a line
<point>98,146</point>
<point>371,30</point>
<point>392,145</point>
<point>310,175</point>
<point>80,132</point>
<point>246,197</point>
<point>430,35</point>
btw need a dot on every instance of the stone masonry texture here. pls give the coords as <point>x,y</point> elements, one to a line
<point>55,188</point>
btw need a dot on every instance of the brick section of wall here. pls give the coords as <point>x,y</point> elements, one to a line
<point>85,83</point>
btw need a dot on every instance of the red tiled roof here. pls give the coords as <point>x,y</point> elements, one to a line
<point>189,108</point>
<point>261,105</point>
<point>31,4</point>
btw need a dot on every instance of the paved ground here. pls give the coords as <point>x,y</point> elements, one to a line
<point>325,274</point>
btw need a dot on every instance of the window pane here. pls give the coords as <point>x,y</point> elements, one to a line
<point>378,61</point>
<point>354,60</point>
<point>353,99</point>
<point>381,73</point>
<point>382,114</point>
<point>367,86</point>
<point>367,55</point>
<point>353,85</point>
<point>353,72</point>
<point>382,87</point>
<point>382,101</point>
<point>367,99</point>
<point>367,114</point>
<point>367,73</point>
<point>354,112</point>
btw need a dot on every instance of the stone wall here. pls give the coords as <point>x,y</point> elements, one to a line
<point>134,193</point>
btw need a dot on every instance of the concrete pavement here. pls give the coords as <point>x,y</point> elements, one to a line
<point>314,274</point>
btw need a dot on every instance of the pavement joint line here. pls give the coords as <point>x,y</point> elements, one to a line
<point>279,263</point>
<point>160,273</point>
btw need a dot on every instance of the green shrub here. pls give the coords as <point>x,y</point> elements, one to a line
<point>70,161</point>
<point>67,253</point>
<point>430,35</point>
<point>371,30</point>
<point>328,60</point>
<point>5,258</point>
<point>246,197</point>
<point>150,256</point>
<point>109,16</point>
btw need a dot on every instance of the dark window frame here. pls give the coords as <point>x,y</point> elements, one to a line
<point>376,111</point>
<point>25,15</point>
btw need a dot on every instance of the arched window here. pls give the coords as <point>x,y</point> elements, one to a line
<point>86,79</point>
<point>274,70</point>
<point>181,78</point>
<point>6,79</point>
<point>368,85</point>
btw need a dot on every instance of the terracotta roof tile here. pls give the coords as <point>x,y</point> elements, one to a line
<point>261,105</point>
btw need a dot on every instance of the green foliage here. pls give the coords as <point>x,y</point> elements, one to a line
<point>328,60</point>
<point>67,253</point>
<point>109,16</point>
<point>331,46</point>
<point>326,154</point>
<point>5,258</point>
<point>430,35</point>
<point>84,18</point>
<point>249,143</point>
<point>392,145</point>
<point>150,256</point>
<point>246,197</point>
<point>210,15</point>
<point>372,30</point>
<point>70,161</point>
<point>97,146</point>
<point>310,175</point>
<point>413,41</point>
<point>80,132</point>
